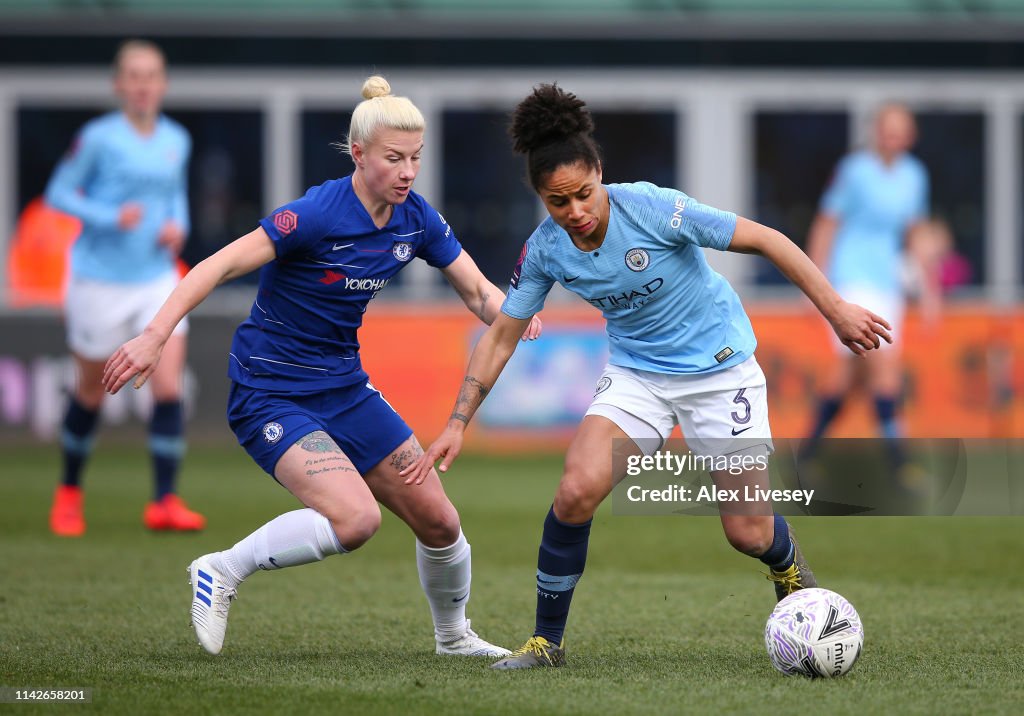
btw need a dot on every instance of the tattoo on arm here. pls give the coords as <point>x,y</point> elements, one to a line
<point>472,382</point>
<point>471,394</point>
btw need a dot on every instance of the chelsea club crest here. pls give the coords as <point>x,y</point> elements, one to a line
<point>402,250</point>
<point>272,432</point>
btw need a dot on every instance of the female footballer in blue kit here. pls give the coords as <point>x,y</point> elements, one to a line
<point>301,404</point>
<point>681,347</point>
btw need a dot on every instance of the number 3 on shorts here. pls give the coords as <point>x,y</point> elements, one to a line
<point>740,400</point>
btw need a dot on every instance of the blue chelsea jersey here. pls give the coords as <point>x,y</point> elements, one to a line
<point>666,310</point>
<point>111,164</point>
<point>331,261</point>
<point>875,204</point>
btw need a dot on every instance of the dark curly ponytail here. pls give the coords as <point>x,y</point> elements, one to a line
<point>553,128</point>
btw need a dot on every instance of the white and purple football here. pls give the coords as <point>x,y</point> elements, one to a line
<point>815,633</point>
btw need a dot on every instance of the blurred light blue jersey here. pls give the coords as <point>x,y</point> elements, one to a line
<point>874,205</point>
<point>667,311</point>
<point>111,164</point>
<point>332,260</point>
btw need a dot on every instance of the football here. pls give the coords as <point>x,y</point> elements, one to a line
<point>815,633</point>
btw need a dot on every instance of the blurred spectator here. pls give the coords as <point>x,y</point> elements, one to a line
<point>932,267</point>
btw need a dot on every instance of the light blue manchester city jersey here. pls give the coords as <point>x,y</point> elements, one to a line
<point>111,164</point>
<point>666,310</point>
<point>875,204</point>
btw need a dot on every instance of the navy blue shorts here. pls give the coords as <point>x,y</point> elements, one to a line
<point>357,417</point>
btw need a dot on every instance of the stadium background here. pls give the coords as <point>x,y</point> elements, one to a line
<point>745,105</point>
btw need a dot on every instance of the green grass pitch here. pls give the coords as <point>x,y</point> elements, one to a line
<point>667,619</point>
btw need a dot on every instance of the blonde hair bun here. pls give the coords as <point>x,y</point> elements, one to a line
<point>376,86</point>
<point>380,110</point>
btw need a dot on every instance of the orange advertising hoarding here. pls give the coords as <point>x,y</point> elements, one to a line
<point>964,376</point>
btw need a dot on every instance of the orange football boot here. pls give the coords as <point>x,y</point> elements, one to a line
<point>171,514</point>
<point>66,515</point>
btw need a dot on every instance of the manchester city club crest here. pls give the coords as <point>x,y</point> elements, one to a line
<point>602,385</point>
<point>402,250</point>
<point>638,259</point>
<point>272,432</point>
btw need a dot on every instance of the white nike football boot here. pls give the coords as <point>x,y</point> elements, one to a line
<point>470,644</point>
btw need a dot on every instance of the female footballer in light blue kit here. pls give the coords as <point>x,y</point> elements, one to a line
<point>681,347</point>
<point>301,404</point>
<point>877,199</point>
<point>124,178</point>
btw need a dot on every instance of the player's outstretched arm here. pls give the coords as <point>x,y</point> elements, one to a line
<point>859,329</point>
<point>481,296</point>
<point>485,365</point>
<point>138,357</point>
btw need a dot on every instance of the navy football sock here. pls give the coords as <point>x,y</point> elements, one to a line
<point>166,445</point>
<point>886,409</point>
<point>77,440</point>
<point>563,554</point>
<point>780,555</point>
<point>828,408</point>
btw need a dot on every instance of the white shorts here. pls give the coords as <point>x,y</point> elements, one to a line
<point>100,316</point>
<point>890,305</point>
<point>719,413</point>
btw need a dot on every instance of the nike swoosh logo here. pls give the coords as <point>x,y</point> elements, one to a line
<point>461,598</point>
<point>570,280</point>
<point>341,246</point>
<point>737,432</point>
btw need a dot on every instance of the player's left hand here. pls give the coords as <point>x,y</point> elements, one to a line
<point>172,237</point>
<point>534,330</point>
<point>859,329</point>
<point>448,446</point>
<point>135,359</point>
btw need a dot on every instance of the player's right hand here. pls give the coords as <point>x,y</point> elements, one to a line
<point>129,216</point>
<point>859,329</point>
<point>448,446</point>
<point>135,359</point>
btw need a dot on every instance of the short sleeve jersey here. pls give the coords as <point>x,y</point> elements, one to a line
<point>332,260</point>
<point>874,204</point>
<point>108,165</point>
<point>666,309</point>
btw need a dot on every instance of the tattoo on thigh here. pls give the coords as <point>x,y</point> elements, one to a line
<point>319,441</point>
<point>406,455</point>
<point>329,457</point>
<point>344,467</point>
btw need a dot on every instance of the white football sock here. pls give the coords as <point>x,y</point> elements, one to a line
<point>445,575</point>
<point>294,538</point>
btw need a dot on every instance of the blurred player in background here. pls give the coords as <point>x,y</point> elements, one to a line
<point>125,179</point>
<point>682,348</point>
<point>300,403</point>
<point>877,198</point>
